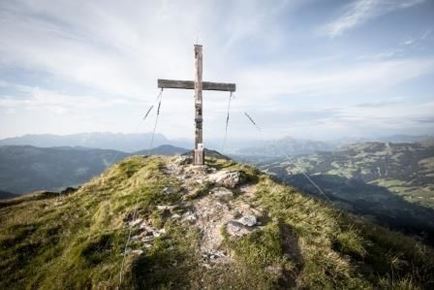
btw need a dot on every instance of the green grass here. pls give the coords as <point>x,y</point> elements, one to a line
<point>76,241</point>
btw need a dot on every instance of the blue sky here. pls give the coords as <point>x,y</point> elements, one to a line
<point>315,69</point>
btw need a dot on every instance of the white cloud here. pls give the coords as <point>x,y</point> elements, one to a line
<point>360,11</point>
<point>392,116</point>
<point>52,101</point>
<point>355,121</point>
<point>118,50</point>
<point>342,81</point>
<point>122,49</point>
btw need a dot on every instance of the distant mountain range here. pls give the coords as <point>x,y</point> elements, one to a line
<point>113,141</point>
<point>163,150</point>
<point>27,168</point>
<point>425,139</point>
<point>250,148</point>
<point>293,146</point>
<point>285,146</point>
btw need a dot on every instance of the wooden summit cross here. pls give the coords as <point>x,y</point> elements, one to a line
<point>198,86</point>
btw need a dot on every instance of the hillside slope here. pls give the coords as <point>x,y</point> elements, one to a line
<point>392,184</point>
<point>27,168</point>
<point>5,195</point>
<point>219,226</point>
<point>406,169</point>
<point>165,149</point>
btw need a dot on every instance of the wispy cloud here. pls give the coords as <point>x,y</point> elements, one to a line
<point>350,121</point>
<point>360,11</point>
<point>57,102</point>
<point>360,77</point>
<point>418,39</point>
<point>397,115</point>
<point>429,120</point>
<point>93,65</point>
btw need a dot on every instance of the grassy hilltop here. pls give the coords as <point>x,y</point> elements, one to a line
<point>197,228</point>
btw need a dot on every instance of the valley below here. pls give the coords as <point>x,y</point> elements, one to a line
<point>389,183</point>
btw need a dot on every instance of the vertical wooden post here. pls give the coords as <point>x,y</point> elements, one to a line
<point>198,86</point>
<point>198,152</point>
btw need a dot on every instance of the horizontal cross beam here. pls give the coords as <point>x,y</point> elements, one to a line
<point>209,86</point>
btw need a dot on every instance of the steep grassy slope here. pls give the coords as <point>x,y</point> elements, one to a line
<point>197,228</point>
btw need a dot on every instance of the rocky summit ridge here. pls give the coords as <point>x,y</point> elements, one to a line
<point>153,222</point>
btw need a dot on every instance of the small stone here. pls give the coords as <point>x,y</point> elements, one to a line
<point>148,239</point>
<point>229,179</point>
<point>237,229</point>
<point>213,255</point>
<point>247,220</point>
<point>135,222</point>
<point>166,207</point>
<point>159,232</point>
<point>156,234</point>
<point>176,216</point>
<point>222,192</point>
<point>137,252</point>
<point>190,217</point>
<point>168,190</point>
<point>145,226</point>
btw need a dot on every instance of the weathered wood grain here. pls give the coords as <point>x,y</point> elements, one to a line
<point>198,151</point>
<point>198,86</point>
<point>208,86</point>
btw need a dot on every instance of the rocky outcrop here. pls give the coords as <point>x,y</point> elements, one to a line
<point>215,201</point>
<point>228,179</point>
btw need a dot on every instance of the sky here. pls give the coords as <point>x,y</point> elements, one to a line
<point>312,69</point>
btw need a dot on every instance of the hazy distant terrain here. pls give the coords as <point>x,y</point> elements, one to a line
<point>121,142</point>
<point>405,169</point>
<point>393,182</point>
<point>163,150</point>
<point>284,146</point>
<point>5,194</point>
<point>27,168</point>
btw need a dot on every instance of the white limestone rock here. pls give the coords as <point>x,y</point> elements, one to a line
<point>228,179</point>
